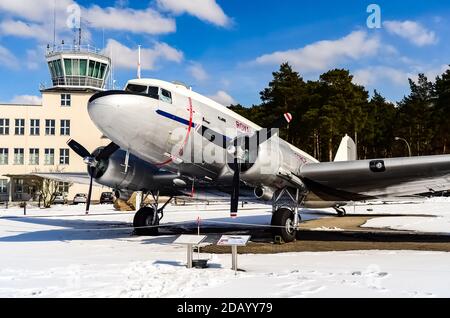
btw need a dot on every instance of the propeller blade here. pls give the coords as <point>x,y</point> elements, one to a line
<point>235,191</point>
<point>79,149</point>
<point>88,201</point>
<point>106,152</point>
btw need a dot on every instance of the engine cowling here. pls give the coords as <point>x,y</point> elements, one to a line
<point>139,175</point>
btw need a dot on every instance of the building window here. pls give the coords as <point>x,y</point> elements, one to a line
<point>49,158</point>
<point>20,127</point>
<point>34,127</point>
<point>3,186</point>
<point>50,127</point>
<point>3,156</point>
<point>66,100</point>
<point>18,185</point>
<point>64,156</point>
<point>34,156</point>
<point>4,126</point>
<point>63,187</point>
<point>18,156</point>
<point>65,127</point>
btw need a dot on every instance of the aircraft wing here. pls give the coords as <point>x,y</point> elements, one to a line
<point>381,178</point>
<point>72,177</point>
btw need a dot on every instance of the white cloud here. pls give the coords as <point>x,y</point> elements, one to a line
<point>25,30</point>
<point>27,100</point>
<point>138,21</point>
<point>206,10</point>
<point>34,19</point>
<point>431,72</point>
<point>412,31</point>
<point>7,59</point>
<point>127,58</point>
<point>198,72</point>
<point>223,98</point>
<point>322,55</point>
<point>374,74</point>
<point>32,10</point>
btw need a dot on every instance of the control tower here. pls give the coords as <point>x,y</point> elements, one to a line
<point>77,67</point>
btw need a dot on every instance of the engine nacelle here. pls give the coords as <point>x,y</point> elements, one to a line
<point>137,176</point>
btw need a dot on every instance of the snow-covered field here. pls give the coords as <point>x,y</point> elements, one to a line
<point>60,252</point>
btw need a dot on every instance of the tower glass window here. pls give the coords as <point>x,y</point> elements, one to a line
<point>83,66</point>
<point>4,126</point>
<point>20,127</point>
<point>34,156</point>
<point>18,156</point>
<point>66,100</point>
<point>65,127</point>
<point>49,158</point>
<point>50,127</point>
<point>68,66</point>
<point>64,156</point>
<point>34,127</point>
<point>4,156</point>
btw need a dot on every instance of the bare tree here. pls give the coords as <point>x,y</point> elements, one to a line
<point>49,188</point>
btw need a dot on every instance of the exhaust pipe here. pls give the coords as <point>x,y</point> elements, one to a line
<point>264,193</point>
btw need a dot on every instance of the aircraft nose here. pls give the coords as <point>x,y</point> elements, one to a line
<point>120,114</point>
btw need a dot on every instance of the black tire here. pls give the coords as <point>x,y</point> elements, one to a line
<point>341,212</point>
<point>284,219</point>
<point>142,218</point>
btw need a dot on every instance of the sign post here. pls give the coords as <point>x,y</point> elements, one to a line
<point>234,241</point>
<point>190,241</point>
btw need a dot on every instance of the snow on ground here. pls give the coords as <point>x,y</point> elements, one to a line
<point>438,208</point>
<point>61,252</point>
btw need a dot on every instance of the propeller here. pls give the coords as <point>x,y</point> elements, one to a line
<point>240,152</point>
<point>92,161</point>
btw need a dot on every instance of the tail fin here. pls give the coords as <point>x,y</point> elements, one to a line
<point>347,150</point>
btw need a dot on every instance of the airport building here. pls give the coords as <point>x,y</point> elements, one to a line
<point>33,138</point>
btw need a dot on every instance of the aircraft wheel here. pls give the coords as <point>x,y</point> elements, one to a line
<point>144,217</point>
<point>341,212</point>
<point>284,219</point>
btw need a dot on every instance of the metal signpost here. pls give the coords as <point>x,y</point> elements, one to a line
<point>234,241</point>
<point>190,241</point>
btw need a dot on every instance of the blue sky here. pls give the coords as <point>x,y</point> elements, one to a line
<point>227,49</point>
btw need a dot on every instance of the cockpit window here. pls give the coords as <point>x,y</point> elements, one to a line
<point>153,92</point>
<point>166,96</point>
<point>136,88</point>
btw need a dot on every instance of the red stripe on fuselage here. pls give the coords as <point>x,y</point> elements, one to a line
<point>180,152</point>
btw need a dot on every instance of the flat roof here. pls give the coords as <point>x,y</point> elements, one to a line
<point>15,104</point>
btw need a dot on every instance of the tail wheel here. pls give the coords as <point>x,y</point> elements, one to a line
<point>283,219</point>
<point>143,222</point>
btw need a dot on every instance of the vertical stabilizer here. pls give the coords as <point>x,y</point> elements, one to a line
<point>347,150</point>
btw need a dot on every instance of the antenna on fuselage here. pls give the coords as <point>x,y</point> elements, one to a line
<point>139,62</point>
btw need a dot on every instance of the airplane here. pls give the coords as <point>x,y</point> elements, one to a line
<point>168,140</point>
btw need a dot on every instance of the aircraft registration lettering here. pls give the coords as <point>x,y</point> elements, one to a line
<point>242,127</point>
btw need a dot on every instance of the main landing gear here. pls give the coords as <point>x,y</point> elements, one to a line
<point>285,216</point>
<point>147,218</point>
<point>341,212</point>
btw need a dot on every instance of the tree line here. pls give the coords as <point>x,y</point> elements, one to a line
<point>332,106</point>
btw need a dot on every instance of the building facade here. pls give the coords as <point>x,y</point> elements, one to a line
<point>33,138</point>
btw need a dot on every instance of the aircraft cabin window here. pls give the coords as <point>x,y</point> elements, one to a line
<point>166,96</point>
<point>136,88</point>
